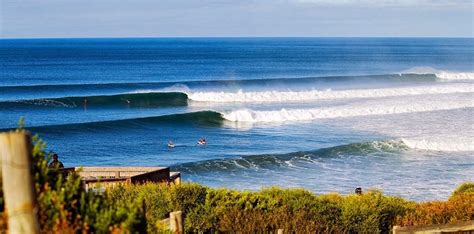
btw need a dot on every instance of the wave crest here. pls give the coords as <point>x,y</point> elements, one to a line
<point>441,74</point>
<point>270,161</point>
<point>286,96</point>
<point>283,115</point>
<point>454,145</point>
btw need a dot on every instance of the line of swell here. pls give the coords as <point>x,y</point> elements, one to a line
<point>354,110</point>
<point>208,118</point>
<point>270,161</point>
<point>398,77</point>
<point>287,96</point>
<point>440,74</point>
<point>245,115</point>
<point>129,100</point>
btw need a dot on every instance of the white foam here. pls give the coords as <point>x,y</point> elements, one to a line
<point>455,75</point>
<point>453,144</point>
<point>361,109</point>
<point>287,96</point>
<point>178,88</point>
<point>441,74</point>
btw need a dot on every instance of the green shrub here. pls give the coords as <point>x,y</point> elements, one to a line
<point>371,212</point>
<point>186,198</point>
<point>64,206</point>
<point>460,207</point>
<point>464,188</point>
<point>155,199</point>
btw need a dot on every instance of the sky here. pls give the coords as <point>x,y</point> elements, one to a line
<point>239,18</point>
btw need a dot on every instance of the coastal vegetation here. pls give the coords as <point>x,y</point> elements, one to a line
<point>63,206</point>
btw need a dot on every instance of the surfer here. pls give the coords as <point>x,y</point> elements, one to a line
<point>55,164</point>
<point>126,100</point>
<point>202,141</point>
<point>170,144</point>
<point>85,104</point>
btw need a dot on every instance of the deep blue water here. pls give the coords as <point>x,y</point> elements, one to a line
<point>327,114</point>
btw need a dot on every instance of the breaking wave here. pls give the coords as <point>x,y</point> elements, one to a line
<point>207,118</point>
<point>285,96</point>
<point>270,161</point>
<point>55,90</point>
<point>440,145</point>
<point>282,115</point>
<point>440,74</point>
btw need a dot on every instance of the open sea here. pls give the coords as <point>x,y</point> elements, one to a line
<point>325,114</point>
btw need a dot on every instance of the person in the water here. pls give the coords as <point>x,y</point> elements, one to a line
<point>202,141</point>
<point>56,163</point>
<point>170,144</point>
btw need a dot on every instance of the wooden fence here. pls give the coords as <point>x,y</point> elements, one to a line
<point>18,190</point>
<point>94,178</point>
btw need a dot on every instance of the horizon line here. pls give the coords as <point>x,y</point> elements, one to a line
<point>236,37</point>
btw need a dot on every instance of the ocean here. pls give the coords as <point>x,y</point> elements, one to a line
<point>324,114</point>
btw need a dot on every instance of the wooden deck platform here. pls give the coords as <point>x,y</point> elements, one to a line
<point>107,177</point>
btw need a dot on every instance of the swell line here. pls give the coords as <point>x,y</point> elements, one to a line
<point>286,96</point>
<point>368,108</point>
<point>223,82</point>
<point>208,118</point>
<point>270,161</point>
<point>129,100</point>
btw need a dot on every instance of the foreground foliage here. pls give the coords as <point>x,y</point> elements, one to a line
<point>65,207</point>
<point>222,210</point>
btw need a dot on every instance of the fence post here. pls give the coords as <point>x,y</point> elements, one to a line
<point>176,222</point>
<point>395,229</point>
<point>18,190</point>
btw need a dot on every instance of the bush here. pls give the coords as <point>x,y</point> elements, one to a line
<point>187,198</point>
<point>224,210</point>
<point>464,188</point>
<point>371,212</point>
<point>63,205</point>
<point>459,207</point>
<point>154,198</point>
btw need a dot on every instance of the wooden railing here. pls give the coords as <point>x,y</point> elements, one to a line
<point>107,177</point>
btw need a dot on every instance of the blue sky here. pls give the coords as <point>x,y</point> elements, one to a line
<point>203,18</point>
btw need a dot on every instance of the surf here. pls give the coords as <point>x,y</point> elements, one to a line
<point>205,118</point>
<point>39,91</point>
<point>447,145</point>
<point>368,108</point>
<point>289,96</point>
<point>440,74</point>
<point>288,160</point>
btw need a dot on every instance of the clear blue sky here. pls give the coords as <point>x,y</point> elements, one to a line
<point>203,18</point>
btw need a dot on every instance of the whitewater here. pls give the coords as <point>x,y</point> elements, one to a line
<point>354,110</point>
<point>289,96</point>
<point>441,74</point>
